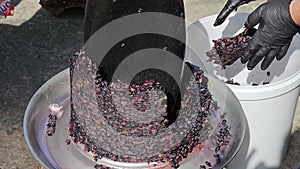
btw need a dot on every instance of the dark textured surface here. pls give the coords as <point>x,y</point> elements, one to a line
<point>36,46</point>
<point>30,53</point>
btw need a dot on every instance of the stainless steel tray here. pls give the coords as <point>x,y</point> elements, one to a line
<point>53,153</point>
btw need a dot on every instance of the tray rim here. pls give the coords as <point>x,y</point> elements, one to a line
<point>64,73</point>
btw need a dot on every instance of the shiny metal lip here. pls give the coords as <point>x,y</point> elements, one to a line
<point>49,150</point>
<point>79,147</point>
<point>27,117</point>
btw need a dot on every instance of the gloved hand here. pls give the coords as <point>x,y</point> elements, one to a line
<point>228,8</point>
<point>274,35</point>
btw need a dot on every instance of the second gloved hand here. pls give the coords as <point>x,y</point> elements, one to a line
<point>274,35</point>
<point>230,6</point>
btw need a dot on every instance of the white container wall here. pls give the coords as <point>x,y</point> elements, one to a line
<point>269,108</point>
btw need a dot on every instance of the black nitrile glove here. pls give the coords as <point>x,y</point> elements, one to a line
<point>228,8</point>
<point>274,35</point>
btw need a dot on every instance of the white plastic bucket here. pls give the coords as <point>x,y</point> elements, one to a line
<point>269,108</point>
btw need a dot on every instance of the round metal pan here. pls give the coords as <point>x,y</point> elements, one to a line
<point>53,153</point>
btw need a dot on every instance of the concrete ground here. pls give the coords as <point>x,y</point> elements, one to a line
<point>35,46</point>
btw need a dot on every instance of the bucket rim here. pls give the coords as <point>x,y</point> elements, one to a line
<point>261,92</point>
